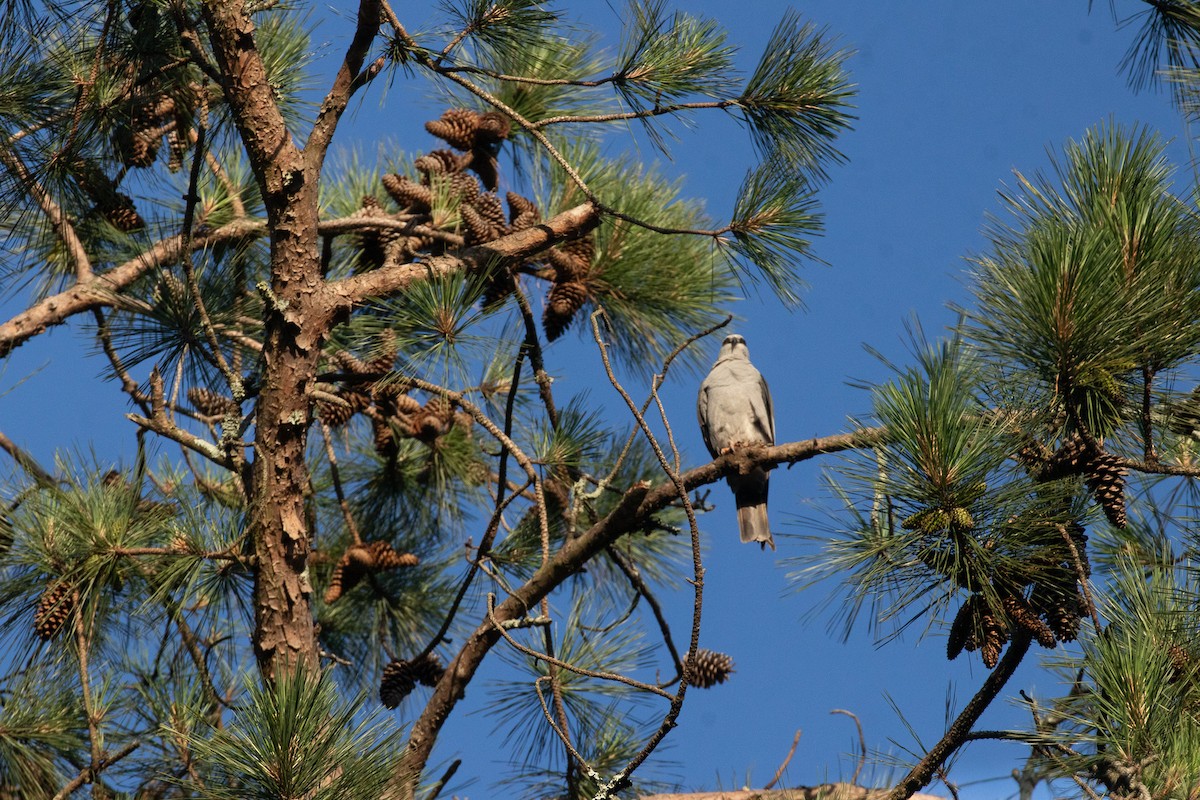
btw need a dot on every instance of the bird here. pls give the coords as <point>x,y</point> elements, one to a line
<point>734,408</point>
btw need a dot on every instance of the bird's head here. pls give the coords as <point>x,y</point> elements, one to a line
<point>734,346</point>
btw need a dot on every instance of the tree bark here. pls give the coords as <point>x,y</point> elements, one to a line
<point>296,320</point>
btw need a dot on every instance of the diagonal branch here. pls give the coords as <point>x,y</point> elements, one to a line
<point>100,290</point>
<point>58,219</point>
<point>344,85</point>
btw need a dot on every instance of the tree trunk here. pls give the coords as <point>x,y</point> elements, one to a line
<point>296,319</point>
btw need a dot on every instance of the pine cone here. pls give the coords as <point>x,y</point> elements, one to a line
<point>1182,663</point>
<point>962,630</point>
<point>1021,612</point>
<point>361,559</point>
<point>564,300</point>
<point>1062,611</point>
<point>210,403</point>
<point>374,244</point>
<point>120,211</point>
<point>428,669</point>
<point>397,683</point>
<point>335,414</point>
<point>384,357</point>
<point>381,556</point>
<point>442,162</point>
<point>492,128</point>
<point>995,636</point>
<point>407,193</point>
<point>479,229</point>
<point>1106,479</point>
<point>457,127</point>
<point>55,605</point>
<point>177,147</point>
<point>708,668</point>
<point>350,363</point>
<point>463,186</point>
<point>1071,458</point>
<point>522,213</point>
<point>169,289</point>
<point>491,209</point>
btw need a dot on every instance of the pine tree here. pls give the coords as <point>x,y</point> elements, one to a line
<point>350,357</point>
<point>377,485</point>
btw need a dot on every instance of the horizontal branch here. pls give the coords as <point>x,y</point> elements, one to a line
<point>569,224</point>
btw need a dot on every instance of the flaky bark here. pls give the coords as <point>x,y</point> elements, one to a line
<point>295,324</point>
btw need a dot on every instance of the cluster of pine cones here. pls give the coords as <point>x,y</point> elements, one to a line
<point>393,412</point>
<point>1051,611</point>
<point>360,560</point>
<point>401,677</point>
<point>474,138</point>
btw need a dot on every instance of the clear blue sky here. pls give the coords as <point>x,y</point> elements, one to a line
<point>952,96</point>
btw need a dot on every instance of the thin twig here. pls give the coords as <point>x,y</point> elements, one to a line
<point>786,760</point>
<point>87,775</point>
<point>335,475</point>
<point>616,677</point>
<point>436,789</point>
<point>862,743</point>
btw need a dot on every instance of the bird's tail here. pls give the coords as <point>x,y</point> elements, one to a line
<point>750,493</point>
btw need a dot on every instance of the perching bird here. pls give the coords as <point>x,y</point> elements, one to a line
<point>735,411</point>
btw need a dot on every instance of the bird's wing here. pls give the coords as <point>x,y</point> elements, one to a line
<point>769,422</point>
<point>702,415</point>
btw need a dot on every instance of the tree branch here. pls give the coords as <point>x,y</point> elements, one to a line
<point>570,224</point>
<point>102,290</point>
<point>344,85</point>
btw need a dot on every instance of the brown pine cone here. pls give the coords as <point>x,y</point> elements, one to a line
<point>55,605</point>
<point>121,213</point>
<point>1106,480</point>
<point>1071,458</point>
<point>350,363</point>
<point>397,683</point>
<point>522,213</point>
<point>407,193</point>
<point>384,357</point>
<point>1021,612</point>
<point>995,636</point>
<point>479,229</point>
<point>428,670</point>
<point>442,162</point>
<point>565,299</point>
<point>1063,612</point>
<point>962,630</point>
<point>457,127</point>
<point>177,147</point>
<point>210,403</point>
<point>708,668</point>
<point>491,129</point>
<point>334,414</point>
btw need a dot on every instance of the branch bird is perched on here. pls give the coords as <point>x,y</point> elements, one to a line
<point>735,411</point>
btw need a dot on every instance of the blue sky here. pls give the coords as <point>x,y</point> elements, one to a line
<point>952,97</point>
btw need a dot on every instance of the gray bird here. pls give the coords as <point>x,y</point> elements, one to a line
<point>735,411</point>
